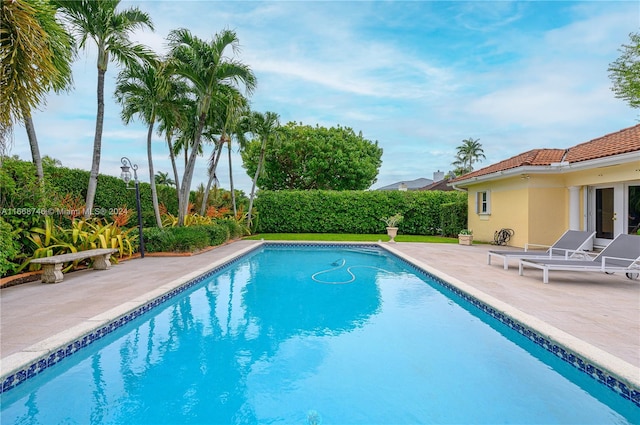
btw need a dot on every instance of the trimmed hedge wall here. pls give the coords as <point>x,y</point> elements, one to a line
<point>359,211</point>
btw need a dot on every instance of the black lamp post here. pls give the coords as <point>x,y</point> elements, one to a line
<point>126,176</point>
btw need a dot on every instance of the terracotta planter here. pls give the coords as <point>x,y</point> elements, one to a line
<point>465,239</point>
<point>392,232</point>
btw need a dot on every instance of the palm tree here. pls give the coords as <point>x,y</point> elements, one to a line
<point>172,115</point>
<point>264,126</point>
<point>110,30</point>
<point>235,106</point>
<point>141,89</point>
<point>227,112</point>
<point>206,67</point>
<point>211,172</point>
<point>163,178</point>
<point>36,57</point>
<point>468,152</point>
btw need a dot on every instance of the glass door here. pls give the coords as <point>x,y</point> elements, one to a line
<point>605,213</point>
<point>614,209</point>
<point>633,210</point>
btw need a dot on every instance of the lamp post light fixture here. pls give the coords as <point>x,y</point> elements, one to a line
<point>126,177</point>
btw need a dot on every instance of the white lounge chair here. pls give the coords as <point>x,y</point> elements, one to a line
<point>621,255</point>
<point>571,244</point>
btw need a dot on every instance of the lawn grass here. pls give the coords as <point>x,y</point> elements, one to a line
<point>347,237</point>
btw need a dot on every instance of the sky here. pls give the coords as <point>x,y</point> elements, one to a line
<point>418,77</point>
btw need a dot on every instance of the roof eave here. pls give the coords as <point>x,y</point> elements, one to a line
<point>553,168</point>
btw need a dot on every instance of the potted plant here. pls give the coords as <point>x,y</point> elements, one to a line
<point>392,225</point>
<point>465,237</point>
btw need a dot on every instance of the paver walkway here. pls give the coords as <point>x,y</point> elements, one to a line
<point>603,310</point>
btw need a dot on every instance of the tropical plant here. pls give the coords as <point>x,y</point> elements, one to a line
<point>206,67</point>
<point>465,232</point>
<point>194,219</point>
<point>110,30</point>
<point>625,72</point>
<point>393,220</point>
<point>468,152</point>
<point>226,122</point>
<point>83,234</point>
<point>263,126</point>
<point>163,178</point>
<point>172,115</point>
<point>141,90</point>
<point>36,54</point>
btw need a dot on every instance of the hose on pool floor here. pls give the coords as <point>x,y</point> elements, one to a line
<point>340,264</point>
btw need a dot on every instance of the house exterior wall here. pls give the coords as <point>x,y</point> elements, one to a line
<point>509,203</point>
<point>548,214</point>
<point>536,206</point>
<point>612,174</point>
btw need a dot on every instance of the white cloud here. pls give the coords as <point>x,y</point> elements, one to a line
<point>416,76</point>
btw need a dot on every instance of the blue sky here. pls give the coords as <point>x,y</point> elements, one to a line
<point>416,76</point>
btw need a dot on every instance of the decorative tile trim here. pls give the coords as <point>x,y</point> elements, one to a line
<point>603,377</point>
<point>595,372</point>
<point>13,380</point>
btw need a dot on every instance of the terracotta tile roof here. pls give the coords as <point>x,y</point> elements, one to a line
<point>532,157</point>
<point>623,141</point>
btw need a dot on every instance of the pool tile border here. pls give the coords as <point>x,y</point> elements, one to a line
<point>593,370</point>
<point>40,365</point>
<point>604,377</point>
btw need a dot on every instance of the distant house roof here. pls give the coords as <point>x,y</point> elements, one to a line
<point>408,184</point>
<point>439,185</point>
<point>618,143</point>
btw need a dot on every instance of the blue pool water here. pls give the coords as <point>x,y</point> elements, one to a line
<point>314,335</point>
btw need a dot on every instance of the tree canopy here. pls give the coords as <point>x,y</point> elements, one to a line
<point>468,152</point>
<point>35,56</point>
<point>625,72</point>
<point>305,157</point>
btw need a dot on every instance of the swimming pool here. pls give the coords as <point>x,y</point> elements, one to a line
<point>303,335</point>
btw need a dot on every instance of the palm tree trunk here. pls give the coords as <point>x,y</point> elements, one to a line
<point>255,180</point>
<point>152,180</point>
<point>212,175</point>
<point>172,157</point>
<point>33,143</point>
<point>97,147</point>
<point>233,192</point>
<point>185,189</point>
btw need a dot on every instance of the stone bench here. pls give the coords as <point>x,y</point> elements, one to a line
<point>52,266</point>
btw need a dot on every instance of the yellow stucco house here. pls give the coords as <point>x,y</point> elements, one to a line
<point>543,192</point>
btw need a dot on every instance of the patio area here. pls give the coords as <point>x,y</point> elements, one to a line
<point>594,309</point>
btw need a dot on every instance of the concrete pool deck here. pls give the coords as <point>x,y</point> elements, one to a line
<point>596,312</point>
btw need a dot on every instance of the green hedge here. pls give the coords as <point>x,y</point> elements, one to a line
<point>112,192</point>
<point>19,190</point>
<point>453,217</point>
<point>354,211</point>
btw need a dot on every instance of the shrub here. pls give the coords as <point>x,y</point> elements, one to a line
<point>217,234</point>
<point>189,239</point>
<point>234,228</point>
<point>10,248</point>
<point>184,239</point>
<point>158,240</point>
